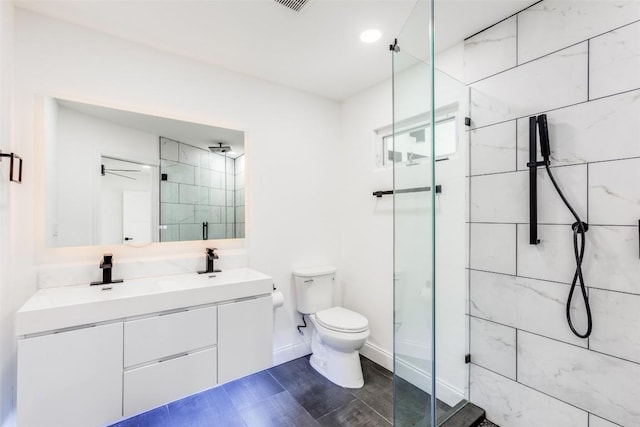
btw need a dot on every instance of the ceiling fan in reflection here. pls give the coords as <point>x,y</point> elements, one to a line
<point>104,171</point>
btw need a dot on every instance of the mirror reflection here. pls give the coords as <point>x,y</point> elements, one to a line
<point>114,176</point>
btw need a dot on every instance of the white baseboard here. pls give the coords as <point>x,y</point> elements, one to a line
<point>417,349</point>
<point>445,392</point>
<point>288,353</point>
<point>294,351</point>
<point>379,355</point>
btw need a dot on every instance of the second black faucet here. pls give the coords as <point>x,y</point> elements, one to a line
<point>211,255</point>
<point>106,265</point>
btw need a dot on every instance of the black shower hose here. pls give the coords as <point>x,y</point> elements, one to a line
<point>579,229</point>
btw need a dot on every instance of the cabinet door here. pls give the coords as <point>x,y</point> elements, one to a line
<point>71,378</point>
<point>245,338</point>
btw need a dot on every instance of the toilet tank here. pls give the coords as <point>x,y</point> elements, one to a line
<point>314,288</point>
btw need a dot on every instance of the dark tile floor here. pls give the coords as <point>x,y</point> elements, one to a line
<point>294,394</point>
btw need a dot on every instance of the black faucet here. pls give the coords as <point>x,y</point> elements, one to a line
<point>106,265</point>
<point>211,255</point>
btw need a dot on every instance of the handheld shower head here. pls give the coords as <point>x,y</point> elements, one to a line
<point>543,130</point>
<point>579,227</point>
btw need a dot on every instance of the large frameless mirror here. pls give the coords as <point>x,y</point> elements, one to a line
<point>115,176</point>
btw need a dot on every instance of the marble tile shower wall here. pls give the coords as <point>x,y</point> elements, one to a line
<point>199,188</point>
<point>578,62</point>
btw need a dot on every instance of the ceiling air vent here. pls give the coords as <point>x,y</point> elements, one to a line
<point>295,5</point>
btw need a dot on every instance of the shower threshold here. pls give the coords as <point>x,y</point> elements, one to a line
<point>469,415</point>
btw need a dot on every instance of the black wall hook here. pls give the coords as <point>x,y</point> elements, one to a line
<point>13,170</point>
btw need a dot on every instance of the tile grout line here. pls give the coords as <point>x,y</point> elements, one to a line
<point>546,54</point>
<point>553,167</point>
<point>588,193</point>
<point>516,269</point>
<point>549,224</point>
<point>516,145</point>
<point>233,405</point>
<point>526,62</point>
<point>555,281</point>
<point>558,108</point>
<point>606,419</point>
<point>556,340</point>
<point>588,69</point>
<point>282,385</point>
<point>330,412</point>
<point>517,38</point>
<point>337,409</point>
<point>374,410</point>
<point>588,290</point>
<point>534,389</point>
<point>517,354</point>
<point>589,337</point>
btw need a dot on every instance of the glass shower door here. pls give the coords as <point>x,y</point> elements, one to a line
<point>413,228</point>
<point>430,322</point>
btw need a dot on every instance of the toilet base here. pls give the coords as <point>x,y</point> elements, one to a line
<point>341,368</point>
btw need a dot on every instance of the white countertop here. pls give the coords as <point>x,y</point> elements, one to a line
<point>70,306</point>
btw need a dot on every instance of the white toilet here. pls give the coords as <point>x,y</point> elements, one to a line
<point>338,333</point>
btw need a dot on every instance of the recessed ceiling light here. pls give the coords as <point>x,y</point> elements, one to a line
<point>370,36</point>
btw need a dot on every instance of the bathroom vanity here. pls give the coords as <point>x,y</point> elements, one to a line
<point>90,355</point>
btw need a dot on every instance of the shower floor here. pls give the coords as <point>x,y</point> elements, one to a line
<point>294,394</point>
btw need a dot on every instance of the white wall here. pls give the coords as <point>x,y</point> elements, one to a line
<point>367,224</point>
<point>10,298</point>
<point>291,138</point>
<point>578,62</point>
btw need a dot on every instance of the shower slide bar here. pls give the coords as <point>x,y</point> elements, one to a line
<point>406,190</point>
<point>533,179</point>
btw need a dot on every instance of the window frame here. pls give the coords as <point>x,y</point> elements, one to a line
<point>384,135</point>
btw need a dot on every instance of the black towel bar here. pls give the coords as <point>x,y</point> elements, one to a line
<point>406,190</point>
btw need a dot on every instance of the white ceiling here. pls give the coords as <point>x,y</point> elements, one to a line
<point>316,50</point>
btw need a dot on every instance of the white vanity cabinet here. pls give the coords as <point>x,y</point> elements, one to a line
<point>71,378</point>
<point>156,340</point>
<point>245,335</point>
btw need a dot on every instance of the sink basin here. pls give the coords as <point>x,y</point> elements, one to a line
<point>71,306</point>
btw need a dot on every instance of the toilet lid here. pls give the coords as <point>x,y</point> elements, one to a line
<point>342,320</point>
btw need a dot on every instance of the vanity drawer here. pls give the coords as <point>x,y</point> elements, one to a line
<point>160,336</point>
<point>154,385</point>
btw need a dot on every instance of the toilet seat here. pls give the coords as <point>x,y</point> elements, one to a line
<point>340,319</point>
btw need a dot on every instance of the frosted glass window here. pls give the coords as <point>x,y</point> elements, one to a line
<point>414,143</point>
